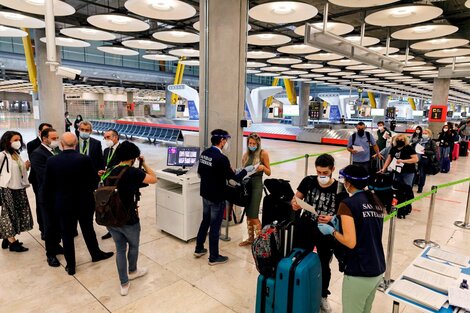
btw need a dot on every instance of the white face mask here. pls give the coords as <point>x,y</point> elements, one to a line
<point>109,143</point>
<point>323,180</point>
<point>16,145</point>
<point>425,136</point>
<point>54,144</point>
<point>381,128</point>
<point>226,146</point>
<point>418,131</point>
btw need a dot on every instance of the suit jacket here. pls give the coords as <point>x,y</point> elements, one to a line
<point>95,152</point>
<point>30,147</point>
<point>38,159</point>
<point>69,183</point>
<point>113,162</point>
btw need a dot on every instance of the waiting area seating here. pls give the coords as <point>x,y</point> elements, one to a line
<point>153,134</point>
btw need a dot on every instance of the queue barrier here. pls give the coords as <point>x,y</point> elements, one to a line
<point>151,133</point>
<point>421,243</point>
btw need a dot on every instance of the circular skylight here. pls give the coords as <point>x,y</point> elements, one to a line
<point>403,15</point>
<point>441,43</point>
<point>454,52</point>
<point>161,9</point>
<point>282,12</point>
<point>118,50</point>
<point>361,3</point>
<point>259,54</point>
<point>298,49</point>
<point>15,19</point>
<point>87,33</point>
<point>268,39</point>
<point>160,57</point>
<point>144,44</point>
<point>332,27</point>
<point>12,32</point>
<point>118,22</point>
<point>39,7</point>
<point>68,42</point>
<point>424,32</point>
<point>176,36</point>
<point>185,52</point>
<point>284,60</point>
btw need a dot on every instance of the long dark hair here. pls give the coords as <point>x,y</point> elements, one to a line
<point>5,141</point>
<point>358,177</point>
<point>420,135</point>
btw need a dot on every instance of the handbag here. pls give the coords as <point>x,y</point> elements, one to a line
<point>239,193</point>
<point>434,166</point>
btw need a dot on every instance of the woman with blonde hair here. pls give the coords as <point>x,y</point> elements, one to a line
<point>253,156</point>
<point>406,158</point>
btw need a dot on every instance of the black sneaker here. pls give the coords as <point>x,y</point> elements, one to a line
<point>200,252</point>
<point>220,260</point>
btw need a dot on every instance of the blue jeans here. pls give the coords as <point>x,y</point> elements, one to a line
<point>212,215</point>
<point>406,178</point>
<point>127,234</point>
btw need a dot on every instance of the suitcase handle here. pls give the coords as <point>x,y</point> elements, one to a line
<point>297,258</point>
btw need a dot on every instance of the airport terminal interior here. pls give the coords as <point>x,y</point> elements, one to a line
<point>300,74</point>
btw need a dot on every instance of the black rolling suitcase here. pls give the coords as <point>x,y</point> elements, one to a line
<point>277,201</point>
<point>463,148</point>
<point>381,185</point>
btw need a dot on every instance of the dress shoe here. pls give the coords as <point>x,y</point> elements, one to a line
<point>107,236</point>
<point>102,256</point>
<point>53,261</point>
<point>5,244</point>
<point>70,270</point>
<point>17,247</point>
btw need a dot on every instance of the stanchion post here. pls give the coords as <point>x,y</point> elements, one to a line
<point>387,280</point>
<point>426,242</point>
<point>466,222</point>
<point>306,164</point>
<point>228,212</point>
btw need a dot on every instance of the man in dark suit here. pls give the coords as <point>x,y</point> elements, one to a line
<point>31,146</point>
<point>90,146</point>
<point>38,158</point>
<point>70,181</point>
<point>111,139</point>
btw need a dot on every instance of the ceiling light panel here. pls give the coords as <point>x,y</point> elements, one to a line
<point>176,36</point>
<point>118,22</point>
<point>160,57</point>
<point>38,7</point>
<point>268,39</point>
<point>424,32</point>
<point>297,49</point>
<point>282,12</point>
<point>403,15</point>
<point>259,54</point>
<point>11,32</point>
<point>16,19</point>
<point>332,27</point>
<point>68,42</point>
<point>87,33</point>
<point>284,60</point>
<point>144,44</point>
<point>441,43</point>
<point>161,9</point>
<point>118,50</point>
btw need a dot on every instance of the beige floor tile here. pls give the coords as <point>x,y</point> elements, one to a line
<point>176,298</point>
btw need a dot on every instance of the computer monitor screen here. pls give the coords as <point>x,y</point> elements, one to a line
<point>182,156</point>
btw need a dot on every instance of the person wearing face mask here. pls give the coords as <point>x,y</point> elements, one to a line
<point>30,147</point>
<point>430,152</point>
<point>76,124</point>
<point>128,187</point>
<point>215,170</point>
<point>320,191</point>
<point>14,206</point>
<point>90,146</point>
<point>360,144</point>
<point>111,140</point>
<point>48,148</point>
<point>68,192</point>
<point>255,155</point>
<point>382,135</point>
<point>406,159</point>
<point>360,231</point>
<point>445,140</point>
<point>417,136</point>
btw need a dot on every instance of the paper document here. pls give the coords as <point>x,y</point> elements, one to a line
<point>419,149</point>
<point>255,167</point>
<point>459,298</point>
<point>429,279</point>
<point>304,205</point>
<point>358,148</point>
<point>394,166</point>
<point>418,294</point>
<point>439,268</point>
<point>454,258</point>
<point>386,136</point>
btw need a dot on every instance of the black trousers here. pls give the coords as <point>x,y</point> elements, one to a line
<point>51,229</point>
<point>68,224</point>
<point>39,214</point>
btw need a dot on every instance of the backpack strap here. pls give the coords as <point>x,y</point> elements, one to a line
<point>118,177</point>
<point>354,138</point>
<point>5,160</point>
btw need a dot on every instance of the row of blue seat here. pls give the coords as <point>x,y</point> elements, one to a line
<point>153,134</point>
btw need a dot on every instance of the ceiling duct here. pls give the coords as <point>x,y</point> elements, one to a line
<point>449,72</point>
<point>322,39</point>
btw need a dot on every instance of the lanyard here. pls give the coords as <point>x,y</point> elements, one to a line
<point>110,156</point>
<point>84,147</point>
<point>108,172</point>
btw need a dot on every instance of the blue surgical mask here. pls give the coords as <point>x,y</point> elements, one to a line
<point>252,148</point>
<point>84,135</point>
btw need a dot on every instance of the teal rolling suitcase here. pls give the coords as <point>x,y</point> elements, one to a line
<point>298,283</point>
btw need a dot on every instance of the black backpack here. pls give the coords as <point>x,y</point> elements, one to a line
<point>109,209</point>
